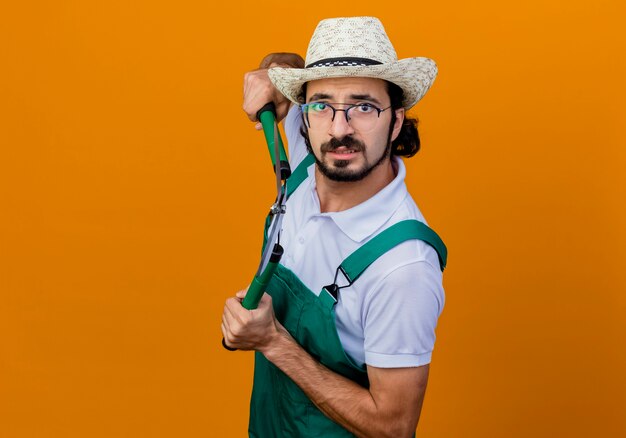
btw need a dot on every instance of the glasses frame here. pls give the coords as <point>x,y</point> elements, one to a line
<point>345,110</point>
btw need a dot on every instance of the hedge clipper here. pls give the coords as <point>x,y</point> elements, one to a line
<point>272,252</point>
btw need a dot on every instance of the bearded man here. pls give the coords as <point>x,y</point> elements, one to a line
<point>345,333</point>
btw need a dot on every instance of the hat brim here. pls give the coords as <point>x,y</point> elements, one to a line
<point>414,75</point>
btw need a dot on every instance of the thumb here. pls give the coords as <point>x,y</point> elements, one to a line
<point>242,293</point>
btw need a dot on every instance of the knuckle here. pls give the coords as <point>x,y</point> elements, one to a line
<point>234,330</point>
<point>246,318</point>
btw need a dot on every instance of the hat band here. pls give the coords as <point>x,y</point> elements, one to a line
<point>342,62</point>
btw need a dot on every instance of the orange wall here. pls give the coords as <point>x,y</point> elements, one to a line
<point>133,190</point>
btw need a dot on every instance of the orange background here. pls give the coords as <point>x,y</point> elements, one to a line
<point>133,191</point>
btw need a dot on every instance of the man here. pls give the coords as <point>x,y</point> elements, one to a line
<point>344,336</point>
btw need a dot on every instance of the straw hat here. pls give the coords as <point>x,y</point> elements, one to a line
<point>356,46</point>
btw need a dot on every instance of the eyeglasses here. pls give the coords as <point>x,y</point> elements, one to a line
<point>361,116</point>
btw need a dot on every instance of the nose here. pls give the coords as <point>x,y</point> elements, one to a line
<point>339,127</point>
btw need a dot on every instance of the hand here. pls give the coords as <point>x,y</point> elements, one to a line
<point>249,329</point>
<point>259,90</point>
<point>282,59</point>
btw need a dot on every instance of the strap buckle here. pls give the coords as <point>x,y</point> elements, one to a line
<point>333,289</point>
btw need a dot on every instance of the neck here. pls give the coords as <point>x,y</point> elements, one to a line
<point>338,196</point>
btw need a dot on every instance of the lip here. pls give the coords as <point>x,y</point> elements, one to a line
<point>342,155</point>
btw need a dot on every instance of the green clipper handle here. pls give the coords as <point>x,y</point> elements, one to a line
<point>267,117</point>
<point>260,282</point>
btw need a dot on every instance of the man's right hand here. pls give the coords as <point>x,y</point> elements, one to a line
<point>259,90</point>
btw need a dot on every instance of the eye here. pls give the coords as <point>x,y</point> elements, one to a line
<point>317,107</point>
<point>364,108</point>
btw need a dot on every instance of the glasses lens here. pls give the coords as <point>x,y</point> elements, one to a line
<point>363,117</point>
<point>318,114</point>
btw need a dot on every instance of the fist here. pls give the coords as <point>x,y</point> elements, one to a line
<point>249,329</point>
<point>258,90</point>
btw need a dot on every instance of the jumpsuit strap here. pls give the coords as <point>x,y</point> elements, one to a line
<point>357,262</point>
<point>300,174</point>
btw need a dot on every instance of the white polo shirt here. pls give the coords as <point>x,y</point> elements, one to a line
<point>387,317</point>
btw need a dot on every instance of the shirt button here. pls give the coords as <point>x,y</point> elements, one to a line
<point>301,239</point>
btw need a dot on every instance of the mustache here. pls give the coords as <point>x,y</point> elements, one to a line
<point>349,142</point>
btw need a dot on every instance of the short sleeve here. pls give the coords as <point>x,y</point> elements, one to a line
<point>400,316</point>
<point>295,142</point>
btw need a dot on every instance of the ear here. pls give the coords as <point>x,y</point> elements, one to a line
<point>397,126</point>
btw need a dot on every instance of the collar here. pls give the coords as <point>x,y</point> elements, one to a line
<point>362,220</point>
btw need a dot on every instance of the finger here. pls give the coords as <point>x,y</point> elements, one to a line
<point>231,309</point>
<point>242,293</point>
<point>225,322</point>
<point>245,83</point>
<point>230,325</point>
<point>258,126</point>
<point>249,92</point>
<point>232,306</point>
<point>225,336</point>
<point>250,113</point>
<point>236,314</point>
<point>233,315</point>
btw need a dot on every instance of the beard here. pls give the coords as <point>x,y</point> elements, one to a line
<point>339,170</point>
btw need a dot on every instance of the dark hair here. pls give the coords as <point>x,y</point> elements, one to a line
<point>406,144</point>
